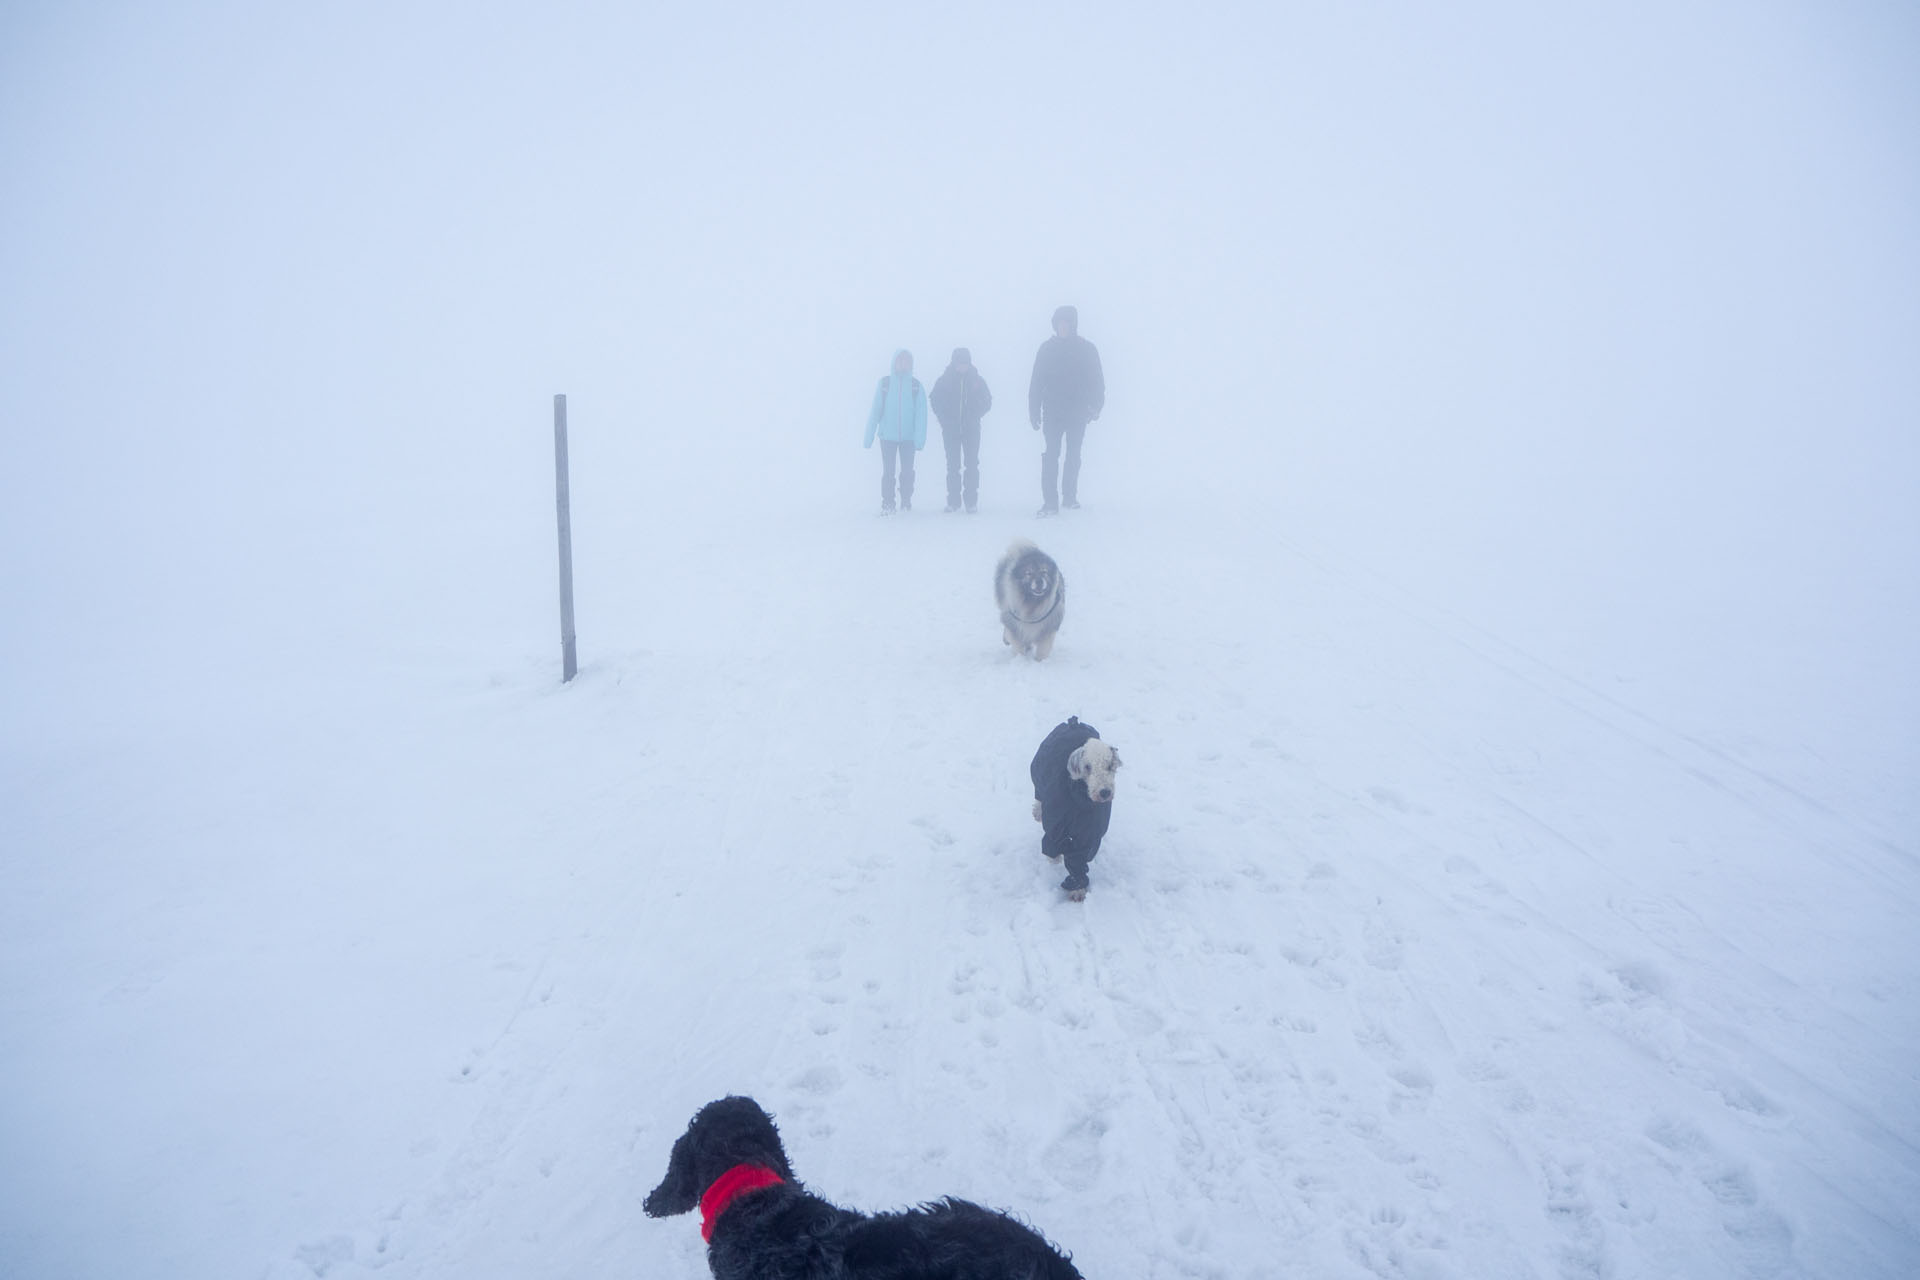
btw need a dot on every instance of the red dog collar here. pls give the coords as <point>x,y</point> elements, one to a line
<point>729,1187</point>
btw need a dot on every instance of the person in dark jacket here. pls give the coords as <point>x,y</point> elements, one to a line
<point>1073,797</point>
<point>1067,392</point>
<point>959,399</point>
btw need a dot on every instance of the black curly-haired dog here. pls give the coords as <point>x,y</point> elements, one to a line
<point>761,1224</point>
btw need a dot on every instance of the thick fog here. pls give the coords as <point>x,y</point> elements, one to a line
<point>1594,326</point>
<point>1582,340</point>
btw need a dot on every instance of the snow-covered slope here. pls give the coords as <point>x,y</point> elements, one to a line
<point>1410,954</point>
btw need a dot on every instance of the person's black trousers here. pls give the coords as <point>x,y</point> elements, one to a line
<point>963,464</point>
<point>1069,483</point>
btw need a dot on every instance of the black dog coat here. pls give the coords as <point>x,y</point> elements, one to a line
<point>1072,822</point>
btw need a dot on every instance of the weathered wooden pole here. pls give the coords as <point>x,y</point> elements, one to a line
<point>569,662</point>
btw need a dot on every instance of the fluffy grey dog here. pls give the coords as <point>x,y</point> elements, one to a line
<point>1032,597</point>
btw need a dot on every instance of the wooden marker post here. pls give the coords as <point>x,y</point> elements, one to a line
<point>569,661</point>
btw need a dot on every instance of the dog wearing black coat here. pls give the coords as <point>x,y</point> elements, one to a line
<point>761,1224</point>
<point>1073,798</point>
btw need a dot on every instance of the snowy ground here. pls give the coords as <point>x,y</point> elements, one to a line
<point>362,948</point>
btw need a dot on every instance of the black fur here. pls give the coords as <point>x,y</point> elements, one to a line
<point>788,1233</point>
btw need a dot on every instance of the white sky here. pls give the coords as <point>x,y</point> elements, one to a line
<point>1597,320</point>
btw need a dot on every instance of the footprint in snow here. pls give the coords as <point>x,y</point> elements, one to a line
<point>1315,967</point>
<point>937,836</point>
<point>823,962</point>
<point>1746,1097</point>
<point>1074,1157</point>
<point>1382,1144</point>
<point>1631,1001</point>
<point>1381,944</point>
<point>1377,1041</point>
<point>322,1256</point>
<point>1634,1002</point>
<point>1482,891</point>
<point>1508,1093</point>
<point>1387,798</point>
<point>1763,1237</point>
<point>820,1082</point>
<point>1414,1088</point>
<point>1583,1244</point>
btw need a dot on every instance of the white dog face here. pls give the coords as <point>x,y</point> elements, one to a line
<point>1095,761</point>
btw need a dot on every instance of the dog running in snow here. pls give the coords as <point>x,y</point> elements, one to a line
<point>1073,798</point>
<point>761,1224</point>
<point>1032,597</point>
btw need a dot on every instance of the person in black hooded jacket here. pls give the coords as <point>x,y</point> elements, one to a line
<point>1067,392</point>
<point>959,399</point>
<point>1072,822</point>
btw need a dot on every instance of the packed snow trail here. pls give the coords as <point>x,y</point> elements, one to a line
<point>1391,965</point>
<point>1408,955</point>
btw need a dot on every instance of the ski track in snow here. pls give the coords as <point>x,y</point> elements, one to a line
<point>1408,955</point>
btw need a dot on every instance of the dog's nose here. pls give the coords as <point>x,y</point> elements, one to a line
<point>1106,794</point>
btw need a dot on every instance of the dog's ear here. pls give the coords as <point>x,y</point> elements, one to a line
<point>776,1159</point>
<point>1077,763</point>
<point>677,1192</point>
<point>1114,756</point>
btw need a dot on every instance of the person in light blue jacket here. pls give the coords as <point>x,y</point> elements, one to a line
<point>899,419</point>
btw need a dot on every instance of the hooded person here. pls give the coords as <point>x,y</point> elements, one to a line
<point>1067,392</point>
<point>959,399</point>
<point>898,419</point>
